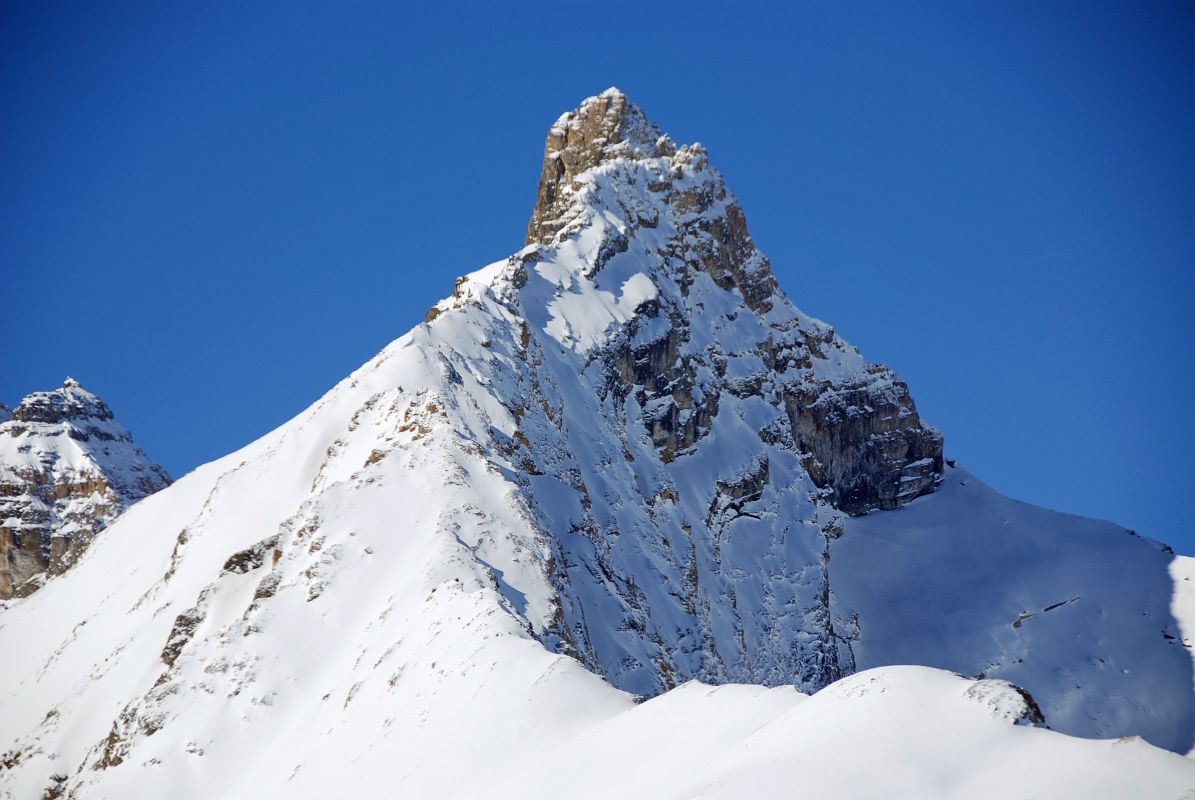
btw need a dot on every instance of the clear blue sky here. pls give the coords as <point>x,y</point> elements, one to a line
<point>211,212</point>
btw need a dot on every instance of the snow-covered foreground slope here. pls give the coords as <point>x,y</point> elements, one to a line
<point>616,462</point>
<point>894,732</point>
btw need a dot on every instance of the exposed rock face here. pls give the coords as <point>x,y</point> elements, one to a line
<point>865,443</point>
<point>601,129</point>
<point>67,469</point>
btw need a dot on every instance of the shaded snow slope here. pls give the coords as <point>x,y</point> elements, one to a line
<point>1075,610</point>
<point>613,463</point>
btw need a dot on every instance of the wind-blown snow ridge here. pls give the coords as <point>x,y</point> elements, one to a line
<point>618,464</point>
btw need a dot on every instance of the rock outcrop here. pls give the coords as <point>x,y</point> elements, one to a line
<point>67,469</point>
<point>601,129</point>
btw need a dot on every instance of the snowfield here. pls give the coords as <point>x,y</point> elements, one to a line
<point>503,560</point>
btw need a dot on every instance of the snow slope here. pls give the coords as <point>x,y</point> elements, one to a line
<point>897,732</point>
<point>1076,610</point>
<point>611,464</point>
<point>375,653</point>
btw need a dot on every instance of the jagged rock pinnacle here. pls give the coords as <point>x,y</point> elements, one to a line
<point>601,128</point>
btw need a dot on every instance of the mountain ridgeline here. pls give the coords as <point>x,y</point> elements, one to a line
<point>614,463</point>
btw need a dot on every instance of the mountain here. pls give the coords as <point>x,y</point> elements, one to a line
<point>616,520</point>
<point>67,470</point>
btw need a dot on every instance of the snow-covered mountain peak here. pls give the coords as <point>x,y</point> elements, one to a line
<point>67,469</point>
<point>652,390</point>
<point>624,219</point>
<point>618,463</point>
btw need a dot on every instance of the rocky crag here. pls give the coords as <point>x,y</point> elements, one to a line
<point>67,470</point>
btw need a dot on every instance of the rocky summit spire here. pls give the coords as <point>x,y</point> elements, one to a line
<point>67,470</point>
<point>600,129</point>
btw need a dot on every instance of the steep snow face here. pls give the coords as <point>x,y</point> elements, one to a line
<point>315,601</point>
<point>624,445</point>
<point>67,469</point>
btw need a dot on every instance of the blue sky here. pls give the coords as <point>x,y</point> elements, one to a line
<point>211,212</point>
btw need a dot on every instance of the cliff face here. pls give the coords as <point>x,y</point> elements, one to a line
<point>67,470</point>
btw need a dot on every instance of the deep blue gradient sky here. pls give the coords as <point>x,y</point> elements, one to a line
<point>211,212</point>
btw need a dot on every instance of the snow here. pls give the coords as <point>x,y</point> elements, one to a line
<point>1079,615</point>
<point>406,671</point>
<point>395,649</point>
<point>889,733</point>
<point>460,572</point>
<point>580,313</point>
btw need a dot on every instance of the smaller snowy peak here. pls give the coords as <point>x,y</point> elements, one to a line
<point>67,470</point>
